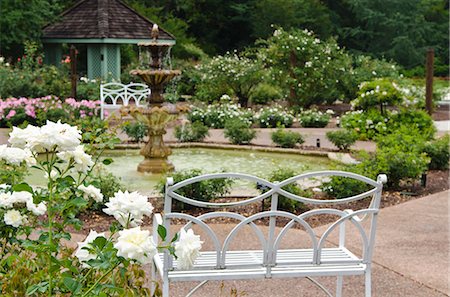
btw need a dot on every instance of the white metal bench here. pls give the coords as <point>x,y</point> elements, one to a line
<point>271,261</point>
<point>115,95</point>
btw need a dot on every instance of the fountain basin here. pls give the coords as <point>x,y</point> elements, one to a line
<point>208,160</point>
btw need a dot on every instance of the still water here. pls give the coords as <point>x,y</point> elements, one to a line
<point>260,164</point>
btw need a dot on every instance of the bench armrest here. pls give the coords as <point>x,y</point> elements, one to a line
<point>157,220</point>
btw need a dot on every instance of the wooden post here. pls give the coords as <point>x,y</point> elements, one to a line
<point>73,71</point>
<point>429,81</point>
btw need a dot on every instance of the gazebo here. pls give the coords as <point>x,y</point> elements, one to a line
<point>99,27</point>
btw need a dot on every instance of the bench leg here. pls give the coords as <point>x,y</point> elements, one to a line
<point>165,288</point>
<point>339,282</point>
<point>368,285</point>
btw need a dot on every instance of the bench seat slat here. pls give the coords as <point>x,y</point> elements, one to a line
<point>249,264</point>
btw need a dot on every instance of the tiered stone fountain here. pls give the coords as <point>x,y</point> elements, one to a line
<point>153,57</point>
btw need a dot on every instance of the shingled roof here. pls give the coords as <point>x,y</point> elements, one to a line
<point>93,19</point>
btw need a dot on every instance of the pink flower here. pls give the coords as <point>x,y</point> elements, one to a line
<point>11,113</point>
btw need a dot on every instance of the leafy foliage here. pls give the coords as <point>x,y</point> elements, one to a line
<point>205,190</point>
<point>238,131</point>
<point>398,30</point>
<point>343,139</point>
<point>215,115</point>
<point>285,203</point>
<point>191,132</point>
<point>135,130</point>
<point>377,93</point>
<point>287,139</point>
<point>309,67</point>
<point>439,153</point>
<point>231,71</point>
<point>273,117</point>
<point>314,119</point>
<point>263,93</point>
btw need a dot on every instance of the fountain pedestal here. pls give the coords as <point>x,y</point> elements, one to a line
<point>157,115</point>
<point>155,151</point>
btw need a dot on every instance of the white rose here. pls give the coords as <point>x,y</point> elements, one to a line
<point>14,218</point>
<point>19,137</point>
<point>21,197</point>
<point>83,255</point>
<point>64,136</point>
<point>187,249</point>
<point>82,160</point>
<point>128,208</point>
<point>136,244</point>
<point>91,192</point>
<point>6,200</point>
<point>15,155</point>
<point>53,174</point>
<point>37,209</point>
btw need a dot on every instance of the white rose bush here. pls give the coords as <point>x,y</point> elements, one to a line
<point>35,223</point>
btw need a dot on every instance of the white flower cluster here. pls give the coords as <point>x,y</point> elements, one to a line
<point>59,137</point>
<point>215,115</point>
<point>51,136</point>
<point>15,156</point>
<point>14,217</point>
<point>82,161</point>
<point>134,243</point>
<point>91,192</point>
<point>274,115</point>
<point>128,208</point>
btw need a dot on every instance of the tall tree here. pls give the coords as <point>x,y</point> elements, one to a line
<point>299,14</point>
<point>22,20</point>
<point>397,29</point>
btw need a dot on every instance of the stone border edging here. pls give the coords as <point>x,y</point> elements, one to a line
<point>232,147</point>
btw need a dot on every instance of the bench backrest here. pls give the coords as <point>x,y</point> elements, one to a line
<point>116,95</point>
<point>270,242</point>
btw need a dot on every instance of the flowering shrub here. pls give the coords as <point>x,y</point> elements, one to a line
<point>102,265</point>
<point>439,153</point>
<point>273,117</point>
<point>371,123</point>
<point>232,72</point>
<point>366,124</point>
<point>314,119</point>
<point>215,115</point>
<point>36,111</point>
<point>309,67</point>
<point>377,93</point>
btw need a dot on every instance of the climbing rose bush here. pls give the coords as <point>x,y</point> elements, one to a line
<point>34,221</point>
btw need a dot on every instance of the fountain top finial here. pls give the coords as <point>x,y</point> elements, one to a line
<point>155,32</point>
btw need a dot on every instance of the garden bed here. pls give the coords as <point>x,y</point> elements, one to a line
<point>437,181</point>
